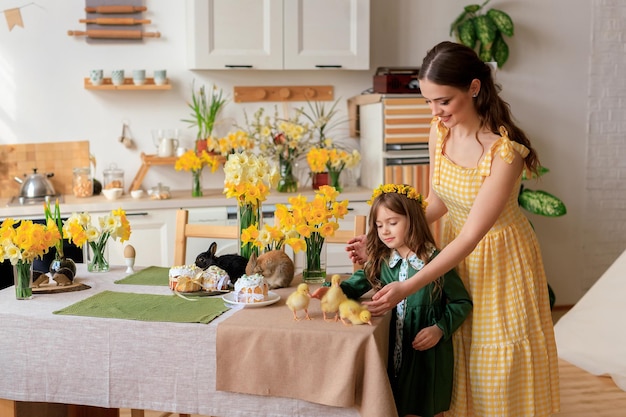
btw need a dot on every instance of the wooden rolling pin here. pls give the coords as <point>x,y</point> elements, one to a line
<point>114,34</point>
<point>115,9</point>
<point>116,21</point>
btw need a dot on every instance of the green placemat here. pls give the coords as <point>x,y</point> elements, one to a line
<point>152,275</point>
<point>147,307</point>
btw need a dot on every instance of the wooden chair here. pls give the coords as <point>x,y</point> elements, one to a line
<point>185,230</point>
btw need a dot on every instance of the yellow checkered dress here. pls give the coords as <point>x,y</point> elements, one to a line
<point>505,353</point>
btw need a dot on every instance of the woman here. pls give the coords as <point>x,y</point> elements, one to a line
<point>505,353</point>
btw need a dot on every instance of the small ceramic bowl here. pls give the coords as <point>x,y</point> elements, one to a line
<point>112,193</point>
<point>137,193</point>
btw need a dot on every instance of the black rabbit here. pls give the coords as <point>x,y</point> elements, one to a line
<point>234,265</point>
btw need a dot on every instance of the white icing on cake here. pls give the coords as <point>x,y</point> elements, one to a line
<point>182,271</point>
<point>215,278</point>
<point>251,289</point>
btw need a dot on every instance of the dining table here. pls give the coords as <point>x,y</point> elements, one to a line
<point>242,361</point>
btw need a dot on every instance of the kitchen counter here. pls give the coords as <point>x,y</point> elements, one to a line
<point>180,199</point>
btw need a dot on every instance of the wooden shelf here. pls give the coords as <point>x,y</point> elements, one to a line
<point>147,162</point>
<point>128,85</point>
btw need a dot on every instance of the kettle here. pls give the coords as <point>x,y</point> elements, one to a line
<point>36,185</point>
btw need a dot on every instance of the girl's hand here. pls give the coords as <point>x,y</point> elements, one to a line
<point>427,338</point>
<point>356,249</point>
<point>386,298</point>
<point>319,293</point>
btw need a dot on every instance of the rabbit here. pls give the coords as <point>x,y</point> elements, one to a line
<point>233,264</point>
<point>276,266</point>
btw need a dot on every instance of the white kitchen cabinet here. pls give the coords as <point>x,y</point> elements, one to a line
<point>278,34</point>
<point>152,236</point>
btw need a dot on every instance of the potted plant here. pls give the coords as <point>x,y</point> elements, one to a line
<point>542,203</point>
<point>483,30</point>
<point>205,107</point>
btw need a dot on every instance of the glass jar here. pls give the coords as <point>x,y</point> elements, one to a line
<point>159,192</point>
<point>82,184</point>
<point>113,177</point>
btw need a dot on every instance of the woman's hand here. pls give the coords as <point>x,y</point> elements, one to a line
<point>386,298</point>
<point>356,249</point>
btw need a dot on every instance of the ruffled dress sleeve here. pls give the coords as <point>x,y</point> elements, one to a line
<point>504,147</point>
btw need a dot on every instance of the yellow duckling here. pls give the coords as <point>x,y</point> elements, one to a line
<point>351,312</point>
<point>333,297</point>
<point>299,300</point>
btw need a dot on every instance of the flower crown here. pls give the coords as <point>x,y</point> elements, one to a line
<point>403,189</point>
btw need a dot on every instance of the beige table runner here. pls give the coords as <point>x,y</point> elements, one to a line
<point>263,351</point>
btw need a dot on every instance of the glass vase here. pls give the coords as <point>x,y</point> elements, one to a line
<point>64,266</point>
<point>319,179</point>
<point>334,180</point>
<point>249,222</point>
<point>23,279</point>
<point>314,271</point>
<point>196,186</point>
<point>287,183</point>
<point>97,256</point>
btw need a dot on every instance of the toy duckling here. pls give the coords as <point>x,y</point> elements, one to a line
<point>333,297</point>
<point>351,312</point>
<point>299,300</point>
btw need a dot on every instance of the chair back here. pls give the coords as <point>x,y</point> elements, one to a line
<point>344,235</point>
<point>185,230</point>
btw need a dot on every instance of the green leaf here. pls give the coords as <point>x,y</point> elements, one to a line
<point>457,22</point>
<point>472,8</point>
<point>541,203</point>
<point>541,171</point>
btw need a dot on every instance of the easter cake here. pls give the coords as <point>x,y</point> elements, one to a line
<point>251,289</point>
<point>185,278</point>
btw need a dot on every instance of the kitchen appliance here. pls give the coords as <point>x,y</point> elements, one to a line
<point>35,189</point>
<point>396,80</point>
<point>394,132</point>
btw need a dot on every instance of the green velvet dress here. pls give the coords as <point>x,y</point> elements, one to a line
<point>423,383</point>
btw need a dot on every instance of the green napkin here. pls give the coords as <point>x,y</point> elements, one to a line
<point>147,307</point>
<point>152,275</point>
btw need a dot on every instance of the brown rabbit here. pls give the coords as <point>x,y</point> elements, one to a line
<point>276,266</point>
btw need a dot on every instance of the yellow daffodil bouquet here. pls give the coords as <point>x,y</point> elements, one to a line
<point>248,178</point>
<point>283,140</point>
<point>79,230</point>
<point>21,243</point>
<point>332,160</point>
<point>234,142</point>
<point>195,162</point>
<point>314,221</point>
<point>283,232</point>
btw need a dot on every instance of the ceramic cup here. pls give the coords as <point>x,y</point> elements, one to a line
<point>160,77</point>
<point>95,76</point>
<point>117,77</point>
<point>139,77</point>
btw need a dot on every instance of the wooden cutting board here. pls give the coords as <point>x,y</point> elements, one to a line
<point>59,158</point>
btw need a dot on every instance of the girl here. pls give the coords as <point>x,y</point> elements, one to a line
<point>420,351</point>
<point>506,359</point>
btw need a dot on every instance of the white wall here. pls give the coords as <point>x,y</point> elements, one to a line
<point>546,81</point>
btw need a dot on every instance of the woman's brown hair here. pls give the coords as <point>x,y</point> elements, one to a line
<point>456,65</point>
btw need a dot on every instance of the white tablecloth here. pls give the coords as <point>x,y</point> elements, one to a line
<point>592,335</point>
<point>121,363</point>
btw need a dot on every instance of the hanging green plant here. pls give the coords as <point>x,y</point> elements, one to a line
<point>484,31</point>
